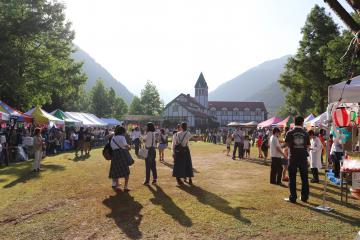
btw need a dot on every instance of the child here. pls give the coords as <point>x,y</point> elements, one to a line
<point>228,143</point>
<point>247,147</point>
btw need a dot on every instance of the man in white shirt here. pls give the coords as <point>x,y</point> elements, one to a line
<point>275,154</point>
<point>135,139</point>
<point>238,136</point>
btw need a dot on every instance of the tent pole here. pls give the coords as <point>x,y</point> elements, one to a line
<point>323,207</point>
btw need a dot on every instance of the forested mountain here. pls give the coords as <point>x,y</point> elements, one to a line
<point>94,70</point>
<point>257,84</point>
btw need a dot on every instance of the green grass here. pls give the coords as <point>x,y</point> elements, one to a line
<point>72,199</point>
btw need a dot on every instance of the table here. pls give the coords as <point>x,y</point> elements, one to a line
<point>345,175</point>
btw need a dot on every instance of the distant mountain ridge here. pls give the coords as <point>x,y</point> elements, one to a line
<point>94,70</point>
<point>259,83</point>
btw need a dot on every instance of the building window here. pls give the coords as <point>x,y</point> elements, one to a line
<point>175,108</point>
<point>252,113</point>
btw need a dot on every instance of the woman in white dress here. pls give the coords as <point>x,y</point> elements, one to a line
<point>315,155</point>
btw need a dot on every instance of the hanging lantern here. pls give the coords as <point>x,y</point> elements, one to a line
<point>341,117</point>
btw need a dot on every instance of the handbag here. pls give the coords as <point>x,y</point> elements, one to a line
<point>144,152</point>
<point>107,151</point>
<point>179,149</point>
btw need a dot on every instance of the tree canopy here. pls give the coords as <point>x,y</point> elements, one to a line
<point>36,67</point>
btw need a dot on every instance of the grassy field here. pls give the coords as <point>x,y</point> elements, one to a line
<point>72,199</point>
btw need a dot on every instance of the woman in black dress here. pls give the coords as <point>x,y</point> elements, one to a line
<point>119,163</point>
<point>182,157</point>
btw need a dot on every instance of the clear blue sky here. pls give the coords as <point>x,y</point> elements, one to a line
<point>170,42</point>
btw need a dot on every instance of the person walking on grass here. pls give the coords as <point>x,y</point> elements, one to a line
<point>238,136</point>
<point>265,146</point>
<point>298,142</point>
<point>38,149</point>
<point>119,167</point>
<point>150,160</point>
<point>275,155</point>
<point>182,157</point>
<point>258,144</point>
<point>163,144</point>
<point>316,148</point>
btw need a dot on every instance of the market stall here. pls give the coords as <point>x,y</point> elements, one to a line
<point>20,117</point>
<point>343,115</point>
<point>286,122</point>
<point>269,123</point>
<point>41,118</point>
<point>4,117</point>
<point>69,122</point>
<point>87,119</point>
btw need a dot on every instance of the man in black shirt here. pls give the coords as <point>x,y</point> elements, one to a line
<point>298,142</point>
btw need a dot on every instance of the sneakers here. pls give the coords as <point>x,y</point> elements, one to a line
<point>289,200</point>
<point>314,181</point>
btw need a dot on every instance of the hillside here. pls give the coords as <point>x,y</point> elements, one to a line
<point>94,71</point>
<point>256,84</point>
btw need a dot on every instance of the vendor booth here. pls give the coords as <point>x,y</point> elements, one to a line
<point>41,117</point>
<point>87,119</point>
<point>343,115</point>
<point>69,122</point>
<point>20,117</point>
<point>286,122</point>
<point>269,123</point>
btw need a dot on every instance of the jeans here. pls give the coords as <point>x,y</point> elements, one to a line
<point>303,168</point>
<point>240,146</point>
<point>276,170</point>
<point>150,164</point>
<point>136,143</point>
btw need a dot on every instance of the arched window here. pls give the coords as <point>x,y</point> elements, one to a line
<point>224,111</point>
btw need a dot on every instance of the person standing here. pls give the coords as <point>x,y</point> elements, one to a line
<point>239,143</point>
<point>136,140</point>
<point>182,157</point>
<point>38,148</point>
<point>258,144</point>
<point>298,142</point>
<point>163,144</point>
<point>228,144</point>
<point>316,148</point>
<point>119,167</point>
<point>150,163</point>
<point>275,154</point>
<point>247,147</point>
<point>337,153</point>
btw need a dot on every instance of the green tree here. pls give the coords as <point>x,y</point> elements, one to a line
<point>150,100</point>
<point>136,107</point>
<point>305,78</point>
<point>36,67</point>
<point>100,105</point>
<point>119,108</point>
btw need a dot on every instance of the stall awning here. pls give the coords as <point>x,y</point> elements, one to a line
<point>68,121</point>
<point>351,92</point>
<point>111,121</point>
<point>270,122</point>
<point>87,119</point>
<point>41,117</point>
<point>15,113</point>
<point>286,122</point>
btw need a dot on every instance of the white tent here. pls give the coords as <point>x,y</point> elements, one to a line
<point>318,121</point>
<point>87,119</point>
<point>351,92</point>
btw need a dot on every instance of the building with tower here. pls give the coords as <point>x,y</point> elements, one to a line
<point>201,113</point>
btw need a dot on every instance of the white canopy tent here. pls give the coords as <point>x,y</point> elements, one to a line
<point>351,92</point>
<point>87,119</point>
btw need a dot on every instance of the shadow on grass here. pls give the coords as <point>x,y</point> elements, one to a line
<point>257,161</point>
<point>215,202</point>
<point>80,158</point>
<point>126,213</point>
<point>320,187</point>
<point>337,215</point>
<point>170,165</point>
<point>25,174</point>
<point>169,207</point>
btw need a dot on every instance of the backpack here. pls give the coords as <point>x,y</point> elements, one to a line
<point>107,151</point>
<point>264,145</point>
